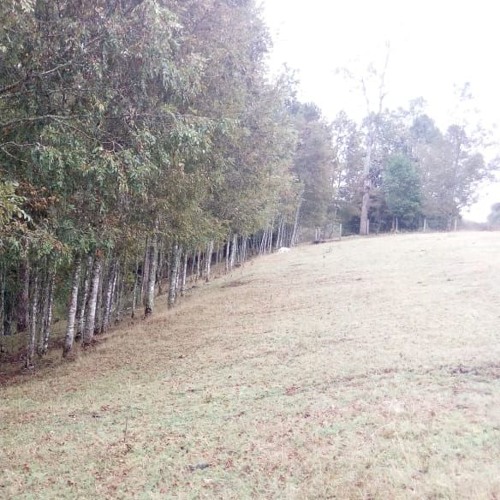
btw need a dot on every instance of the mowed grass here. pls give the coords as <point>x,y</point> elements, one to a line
<point>368,368</point>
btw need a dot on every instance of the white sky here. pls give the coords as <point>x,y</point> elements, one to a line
<point>435,45</point>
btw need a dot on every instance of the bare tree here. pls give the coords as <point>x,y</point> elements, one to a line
<point>373,118</point>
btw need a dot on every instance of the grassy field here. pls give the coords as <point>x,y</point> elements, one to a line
<point>362,369</point>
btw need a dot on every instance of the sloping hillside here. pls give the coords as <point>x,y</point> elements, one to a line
<point>367,368</point>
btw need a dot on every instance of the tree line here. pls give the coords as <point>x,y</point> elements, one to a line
<point>142,142</point>
<point>420,178</point>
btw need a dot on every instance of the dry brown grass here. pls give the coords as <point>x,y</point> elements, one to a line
<point>361,369</point>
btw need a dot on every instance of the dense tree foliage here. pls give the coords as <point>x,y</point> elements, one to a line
<point>142,142</point>
<point>313,164</point>
<point>401,188</point>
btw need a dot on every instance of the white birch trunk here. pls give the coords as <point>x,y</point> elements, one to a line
<point>88,332</point>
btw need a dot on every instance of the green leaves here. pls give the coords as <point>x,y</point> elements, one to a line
<point>401,187</point>
<point>314,163</point>
<point>10,205</point>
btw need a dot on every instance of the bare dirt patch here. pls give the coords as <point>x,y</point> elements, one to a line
<point>359,369</point>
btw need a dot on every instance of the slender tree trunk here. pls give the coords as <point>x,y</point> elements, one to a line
<point>120,287</point>
<point>286,235</point>
<point>263,242</point>
<point>234,248</point>
<point>295,235</point>
<point>73,303</point>
<point>184,274</point>
<point>255,244</point>
<point>228,252</point>
<point>136,287</point>
<point>3,312</point>
<point>279,237</point>
<point>271,235</point>
<point>99,307</point>
<point>108,297</point>
<point>161,259</point>
<point>217,255</point>
<point>30,351</point>
<point>174,273</point>
<point>84,297</point>
<point>22,305</point>
<point>178,269</point>
<point>193,264</point>
<point>364,223</point>
<point>145,273</point>
<point>208,259</point>
<point>198,264</point>
<point>88,332</point>
<point>150,293</point>
<point>47,313</point>
<point>243,251</point>
<point>364,228</point>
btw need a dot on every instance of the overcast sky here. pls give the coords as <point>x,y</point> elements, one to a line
<point>435,46</point>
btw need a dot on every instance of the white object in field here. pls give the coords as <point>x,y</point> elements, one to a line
<point>283,250</point>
